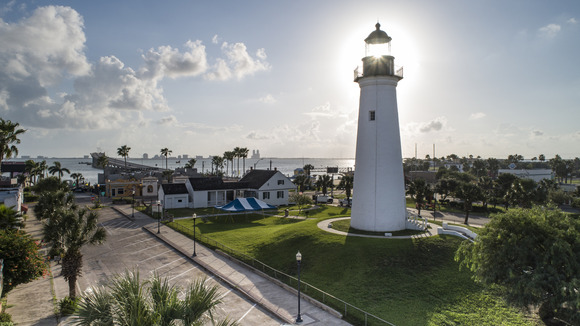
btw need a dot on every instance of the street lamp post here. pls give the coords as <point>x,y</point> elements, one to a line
<point>194,218</point>
<point>133,204</point>
<point>298,261</point>
<point>158,217</point>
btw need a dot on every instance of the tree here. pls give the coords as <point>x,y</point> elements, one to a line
<point>324,182</point>
<point>534,254</point>
<point>302,181</point>
<point>103,161</point>
<point>522,193</point>
<point>57,168</point>
<point>9,134</point>
<point>468,193</point>
<point>49,184</point>
<point>23,261</point>
<point>128,301</point>
<point>71,231</point>
<point>418,190</point>
<point>167,174</point>
<point>446,187</point>
<point>77,177</point>
<point>542,157</point>
<point>238,154</point>
<point>31,168</point>
<point>10,218</point>
<point>165,152</point>
<point>244,154</point>
<point>218,162</point>
<point>492,166</point>
<point>190,163</point>
<point>308,168</point>
<point>123,151</point>
<point>229,158</point>
<point>300,200</point>
<point>347,183</point>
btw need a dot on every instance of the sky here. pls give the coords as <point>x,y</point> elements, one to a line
<point>482,78</point>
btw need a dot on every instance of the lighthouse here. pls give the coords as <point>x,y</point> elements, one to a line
<point>379,200</point>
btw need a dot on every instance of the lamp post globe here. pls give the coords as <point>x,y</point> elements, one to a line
<point>133,204</point>
<point>298,261</point>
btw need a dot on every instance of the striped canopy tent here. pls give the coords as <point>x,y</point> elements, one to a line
<point>244,205</point>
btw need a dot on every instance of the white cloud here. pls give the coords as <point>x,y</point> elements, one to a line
<point>476,116</point>
<point>267,99</point>
<point>255,135</point>
<point>45,52</point>
<point>537,133</point>
<point>215,39</point>
<point>238,63</point>
<point>550,30</point>
<point>572,21</point>
<point>169,62</point>
<point>170,120</point>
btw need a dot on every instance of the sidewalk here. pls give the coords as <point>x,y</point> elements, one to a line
<point>275,298</point>
<point>32,303</point>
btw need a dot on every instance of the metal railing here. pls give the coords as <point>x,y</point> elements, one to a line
<point>349,311</point>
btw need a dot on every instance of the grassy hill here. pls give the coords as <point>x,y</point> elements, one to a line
<point>404,281</point>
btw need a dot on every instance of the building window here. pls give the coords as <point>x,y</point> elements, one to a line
<point>372,115</point>
<point>265,195</point>
<point>149,188</point>
<point>179,200</point>
<point>280,194</point>
<point>280,182</point>
<point>120,191</point>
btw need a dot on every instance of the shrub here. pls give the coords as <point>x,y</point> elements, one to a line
<point>576,203</point>
<point>30,197</point>
<point>67,306</point>
<point>5,318</point>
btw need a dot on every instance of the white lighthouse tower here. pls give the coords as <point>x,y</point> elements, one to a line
<point>379,199</point>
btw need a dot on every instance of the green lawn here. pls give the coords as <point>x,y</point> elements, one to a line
<point>406,282</point>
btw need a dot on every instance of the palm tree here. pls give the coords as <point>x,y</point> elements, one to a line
<point>166,151</point>
<point>123,151</point>
<point>302,181</point>
<point>324,182</point>
<point>128,301</point>
<point>31,169</point>
<point>167,174</point>
<point>238,154</point>
<point>347,183</point>
<point>190,163</point>
<point>9,218</point>
<point>103,161</point>
<point>308,168</point>
<point>43,168</point>
<point>77,177</point>
<point>218,161</point>
<point>71,231</point>
<point>469,193</point>
<point>244,154</point>
<point>229,157</point>
<point>418,190</point>
<point>57,168</point>
<point>8,137</point>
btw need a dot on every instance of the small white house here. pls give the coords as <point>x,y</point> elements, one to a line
<point>173,195</point>
<point>269,186</point>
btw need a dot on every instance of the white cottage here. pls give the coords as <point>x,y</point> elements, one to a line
<point>270,186</point>
<point>173,195</point>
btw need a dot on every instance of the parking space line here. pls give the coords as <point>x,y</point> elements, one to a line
<point>155,269</point>
<point>176,276</point>
<point>148,248</point>
<point>163,253</point>
<point>247,312</point>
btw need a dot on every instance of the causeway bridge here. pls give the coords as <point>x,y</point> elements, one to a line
<point>120,164</point>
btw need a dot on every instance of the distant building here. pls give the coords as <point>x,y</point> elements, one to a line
<point>146,156</point>
<point>25,156</point>
<point>255,154</point>
<point>536,174</point>
<point>185,156</point>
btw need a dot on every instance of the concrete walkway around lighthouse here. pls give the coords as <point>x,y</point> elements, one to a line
<point>326,225</point>
<point>273,296</point>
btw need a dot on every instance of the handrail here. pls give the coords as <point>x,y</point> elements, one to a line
<point>368,317</point>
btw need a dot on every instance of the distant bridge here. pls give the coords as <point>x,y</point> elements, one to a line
<point>120,164</point>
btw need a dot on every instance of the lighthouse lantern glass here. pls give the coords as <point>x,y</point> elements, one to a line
<point>378,50</point>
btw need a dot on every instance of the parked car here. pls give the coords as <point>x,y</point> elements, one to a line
<point>322,199</point>
<point>345,202</point>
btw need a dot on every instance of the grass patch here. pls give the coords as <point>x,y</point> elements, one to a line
<point>404,281</point>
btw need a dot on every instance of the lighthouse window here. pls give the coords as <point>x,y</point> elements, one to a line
<point>372,115</point>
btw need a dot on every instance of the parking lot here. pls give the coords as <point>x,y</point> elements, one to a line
<point>128,247</point>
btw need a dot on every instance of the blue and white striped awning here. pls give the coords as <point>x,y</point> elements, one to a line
<point>245,204</point>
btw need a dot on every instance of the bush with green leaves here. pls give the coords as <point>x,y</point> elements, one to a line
<point>534,254</point>
<point>68,305</point>
<point>5,318</point>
